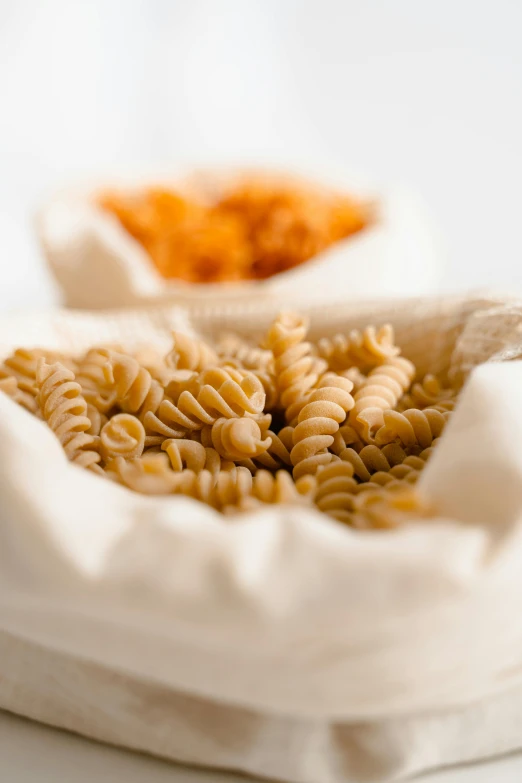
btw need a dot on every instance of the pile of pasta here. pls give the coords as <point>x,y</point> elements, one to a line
<point>253,231</point>
<point>341,424</point>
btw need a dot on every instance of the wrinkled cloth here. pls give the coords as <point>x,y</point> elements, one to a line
<point>98,264</point>
<point>343,655</point>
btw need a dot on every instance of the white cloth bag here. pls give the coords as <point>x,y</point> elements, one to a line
<point>398,254</point>
<point>280,643</point>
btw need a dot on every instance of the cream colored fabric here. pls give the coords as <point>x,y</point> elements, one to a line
<point>388,652</point>
<point>97,264</point>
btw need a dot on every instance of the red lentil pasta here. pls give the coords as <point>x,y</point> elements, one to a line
<point>250,232</point>
<point>343,425</point>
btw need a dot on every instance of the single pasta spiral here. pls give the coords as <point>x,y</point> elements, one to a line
<point>185,453</point>
<point>136,391</point>
<point>427,394</point>
<point>371,459</point>
<point>190,354</point>
<point>216,393</point>
<point>335,491</point>
<point>406,472</point>
<point>65,411</point>
<point>296,369</point>
<point>10,387</point>
<point>22,365</point>
<point>383,508</point>
<point>238,439</point>
<point>278,488</point>
<point>319,419</point>
<point>149,474</point>
<point>381,391</point>
<point>92,379</point>
<point>411,428</point>
<point>346,436</point>
<point>97,419</point>
<point>235,352</point>
<point>363,350</point>
<point>122,436</point>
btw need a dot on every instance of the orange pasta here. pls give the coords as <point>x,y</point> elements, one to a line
<point>252,231</point>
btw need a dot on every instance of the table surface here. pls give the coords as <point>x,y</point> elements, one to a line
<point>30,753</point>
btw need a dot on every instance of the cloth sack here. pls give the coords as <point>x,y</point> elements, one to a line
<point>279,643</point>
<point>398,254</point>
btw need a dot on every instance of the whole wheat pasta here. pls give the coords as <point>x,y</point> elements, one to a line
<point>296,369</point>
<point>411,428</point>
<point>319,419</point>
<point>122,436</point>
<point>284,429</point>
<point>426,394</point>
<point>371,459</point>
<point>26,399</point>
<point>92,379</point>
<point>362,350</point>
<point>190,354</point>
<point>65,411</point>
<point>382,390</point>
<point>336,487</point>
<point>216,393</point>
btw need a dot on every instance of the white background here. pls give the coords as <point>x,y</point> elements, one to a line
<point>402,91</point>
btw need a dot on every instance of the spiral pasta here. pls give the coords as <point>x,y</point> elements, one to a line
<point>122,436</point>
<point>371,459</point>
<point>218,392</point>
<point>406,472</point>
<point>21,365</point>
<point>92,379</point>
<point>336,487</point>
<point>411,428</point>
<point>236,352</point>
<point>428,394</point>
<point>185,453</point>
<point>362,350</point>
<point>64,409</point>
<point>383,508</point>
<point>296,369</point>
<point>325,409</point>
<point>190,354</point>
<point>135,390</point>
<point>238,439</point>
<point>10,387</point>
<point>383,388</point>
<point>241,426</point>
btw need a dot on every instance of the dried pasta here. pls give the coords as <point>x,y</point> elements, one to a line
<point>252,230</point>
<point>341,426</point>
<point>65,411</point>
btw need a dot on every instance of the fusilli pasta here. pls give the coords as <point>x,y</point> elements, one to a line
<point>241,426</point>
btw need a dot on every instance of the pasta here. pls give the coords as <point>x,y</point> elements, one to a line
<point>359,350</point>
<point>26,399</point>
<point>427,394</point>
<point>190,354</point>
<point>325,410</point>
<point>381,391</point>
<point>411,428</point>
<point>64,409</point>
<point>253,230</point>
<point>238,439</point>
<point>296,369</point>
<point>122,436</point>
<point>238,426</point>
<point>91,377</point>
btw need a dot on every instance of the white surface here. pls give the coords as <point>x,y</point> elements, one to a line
<point>404,91</point>
<point>30,753</point>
